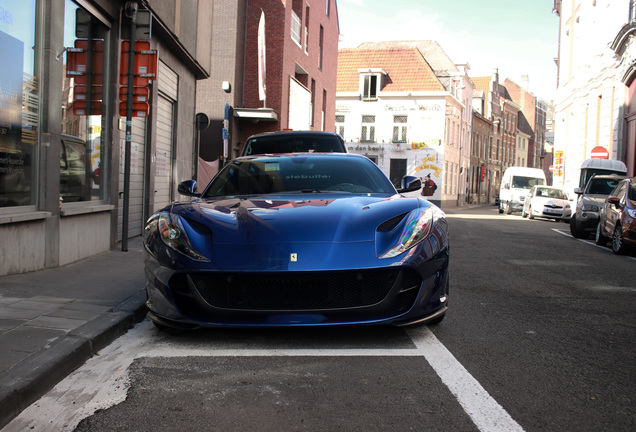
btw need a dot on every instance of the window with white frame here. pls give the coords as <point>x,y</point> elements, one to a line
<point>399,128</point>
<point>295,27</point>
<point>340,127</point>
<point>367,132</point>
<point>370,87</point>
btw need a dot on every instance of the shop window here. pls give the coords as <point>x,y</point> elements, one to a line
<point>82,147</point>
<point>19,104</point>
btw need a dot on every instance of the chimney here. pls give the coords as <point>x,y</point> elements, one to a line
<point>525,82</point>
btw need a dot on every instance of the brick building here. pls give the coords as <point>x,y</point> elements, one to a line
<point>510,113</point>
<point>301,54</point>
<point>489,86</point>
<point>480,183</point>
<point>532,120</point>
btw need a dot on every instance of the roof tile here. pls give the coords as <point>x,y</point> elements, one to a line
<point>406,69</point>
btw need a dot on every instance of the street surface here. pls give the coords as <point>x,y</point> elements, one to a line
<point>539,337</point>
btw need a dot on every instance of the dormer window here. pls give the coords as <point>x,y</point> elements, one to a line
<point>370,90</point>
<point>370,83</point>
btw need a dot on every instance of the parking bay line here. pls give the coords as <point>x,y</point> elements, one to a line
<point>483,410</point>
<point>103,381</point>
<point>589,242</point>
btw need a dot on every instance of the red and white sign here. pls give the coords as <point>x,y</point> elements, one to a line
<point>599,152</point>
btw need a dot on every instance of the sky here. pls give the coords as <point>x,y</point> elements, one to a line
<point>518,37</point>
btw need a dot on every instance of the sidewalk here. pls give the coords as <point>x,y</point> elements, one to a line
<point>53,320</point>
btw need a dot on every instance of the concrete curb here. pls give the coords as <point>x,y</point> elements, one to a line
<point>32,378</point>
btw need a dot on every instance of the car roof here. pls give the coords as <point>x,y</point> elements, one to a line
<point>299,155</point>
<point>608,176</point>
<point>292,132</point>
<point>608,164</point>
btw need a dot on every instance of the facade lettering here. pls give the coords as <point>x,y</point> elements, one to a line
<point>418,107</point>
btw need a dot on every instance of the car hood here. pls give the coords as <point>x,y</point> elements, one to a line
<point>594,199</point>
<point>278,219</point>
<point>550,202</point>
<point>303,232</point>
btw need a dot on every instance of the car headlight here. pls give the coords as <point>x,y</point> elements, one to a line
<point>589,208</point>
<point>173,234</point>
<point>417,227</point>
<point>631,213</point>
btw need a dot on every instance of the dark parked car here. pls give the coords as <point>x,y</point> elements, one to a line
<point>617,219</point>
<point>589,202</point>
<point>297,240</point>
<point>294,142</point>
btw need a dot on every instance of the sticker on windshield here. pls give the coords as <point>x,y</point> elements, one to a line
<point>272,166</point>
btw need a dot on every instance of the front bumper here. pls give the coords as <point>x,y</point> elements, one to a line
<point>391,295</point>
<point>587,220</point>
<point>553,213</point>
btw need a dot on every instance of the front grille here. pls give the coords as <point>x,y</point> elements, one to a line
<point>297,291</point>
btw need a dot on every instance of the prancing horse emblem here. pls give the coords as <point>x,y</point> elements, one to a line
<point>293,257</point>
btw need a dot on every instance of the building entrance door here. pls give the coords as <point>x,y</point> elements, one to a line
<point>397,171</point>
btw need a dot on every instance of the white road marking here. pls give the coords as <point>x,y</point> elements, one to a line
<point>483,410</point>
<point>104,381</point>
<point>590,242</point>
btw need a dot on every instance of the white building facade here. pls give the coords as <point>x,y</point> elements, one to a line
<point>596,70</point>
<point>399,114</point>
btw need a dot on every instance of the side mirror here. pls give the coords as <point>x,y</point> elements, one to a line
<point>614,200</point>
<point>410,184</point>
<point>578,191</point>
<point>188,188</point>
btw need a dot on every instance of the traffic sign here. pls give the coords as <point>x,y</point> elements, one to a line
<point>77,61</point>
<point>145,68</point>
<point>80,108</point>
<point>599,152</point>
<point>81,93</point>
<point>139,109</point>
<point>143,28</point>
<point>140,94</point>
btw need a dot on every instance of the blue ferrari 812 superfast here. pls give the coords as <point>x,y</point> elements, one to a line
<point>297,240</point>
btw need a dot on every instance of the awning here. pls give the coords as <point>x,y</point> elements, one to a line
<point>256,114</point>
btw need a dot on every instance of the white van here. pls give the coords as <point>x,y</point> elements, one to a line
<point>515,185</point>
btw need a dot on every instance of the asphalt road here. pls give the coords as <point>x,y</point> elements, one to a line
<point>539,337</point>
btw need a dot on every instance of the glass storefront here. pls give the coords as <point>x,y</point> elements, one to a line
<point>83,103</point>
<point>82,141</point>
<point>19,103</point>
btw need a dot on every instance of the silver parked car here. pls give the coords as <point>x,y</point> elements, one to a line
<point>547,202</point>
<point>589,203</point>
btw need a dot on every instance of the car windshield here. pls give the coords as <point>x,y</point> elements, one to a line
<point>632,191</point>
<point>600,186</point>
<point>551,193</point>
<point>522,182</point>
<point>299,174</point>
<point>293,143</point>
